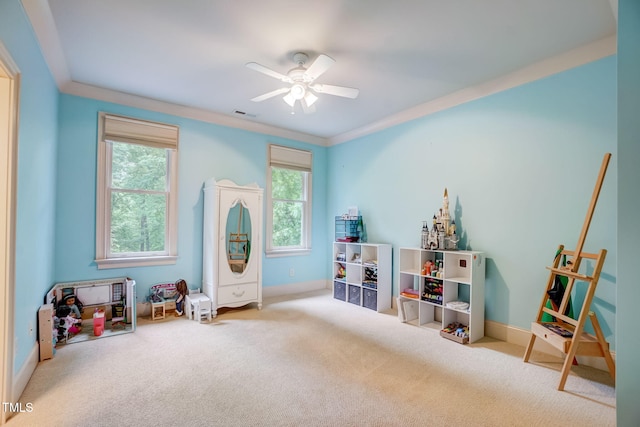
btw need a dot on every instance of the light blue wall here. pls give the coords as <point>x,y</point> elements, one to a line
<point>36,197</point>
<point>628,349</point>
<point>205,151</point>
<point>520,167</point>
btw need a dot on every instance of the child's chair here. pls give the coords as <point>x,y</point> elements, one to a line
<point>189,304</point>
<point>203,309</point>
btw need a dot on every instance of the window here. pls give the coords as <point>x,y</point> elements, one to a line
<point>136,222</point>
<point>288,201</point>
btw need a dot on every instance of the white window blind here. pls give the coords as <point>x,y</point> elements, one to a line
<point>290,158</point>
<point>152,134</point>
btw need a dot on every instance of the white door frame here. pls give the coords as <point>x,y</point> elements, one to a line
<point>9,97</point>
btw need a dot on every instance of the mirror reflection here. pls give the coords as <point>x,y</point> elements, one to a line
<point>238,238</point>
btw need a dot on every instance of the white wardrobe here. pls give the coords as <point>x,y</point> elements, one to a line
<point>232,240</point>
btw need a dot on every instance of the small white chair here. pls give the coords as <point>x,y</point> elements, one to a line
<point>189,303</point>
<point>203,309</point>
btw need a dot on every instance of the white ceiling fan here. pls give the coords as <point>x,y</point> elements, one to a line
<point>302,79</point>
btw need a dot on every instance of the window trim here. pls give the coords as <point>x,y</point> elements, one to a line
<point>299,160</point>
<point>129,130</point>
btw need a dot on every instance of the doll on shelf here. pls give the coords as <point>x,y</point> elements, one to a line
<point>181,291</point>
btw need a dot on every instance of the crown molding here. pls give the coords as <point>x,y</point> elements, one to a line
<point>614,9</point>
<point>41,18</point>
<point>39,14</point>
<point>553,65</point>
<point>108,95</point>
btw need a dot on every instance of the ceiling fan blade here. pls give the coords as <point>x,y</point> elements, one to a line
<point>319,66</point>
<point>347,92</point>
<point>268,71</point>
<point>270,94</point>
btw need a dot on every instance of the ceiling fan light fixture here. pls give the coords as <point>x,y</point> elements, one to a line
<point>289,99</point>
<point>297,91</point>
<point>310,98</point>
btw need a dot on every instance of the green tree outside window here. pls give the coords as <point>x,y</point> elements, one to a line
<point>138,198</point>
<point>288,195</point>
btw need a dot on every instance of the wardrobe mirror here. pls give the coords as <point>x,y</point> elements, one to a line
<point>238,237</point>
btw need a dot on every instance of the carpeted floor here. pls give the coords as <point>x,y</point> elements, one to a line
<point>306,360</point>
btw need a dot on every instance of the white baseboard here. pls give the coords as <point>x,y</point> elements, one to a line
<point>24,375</point>
<point>295,288</point>
<point>518,336</point>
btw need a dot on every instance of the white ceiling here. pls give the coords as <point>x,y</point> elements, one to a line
<point>407,57</point>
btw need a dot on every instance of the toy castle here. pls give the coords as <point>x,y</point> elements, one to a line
<point>443,231</point>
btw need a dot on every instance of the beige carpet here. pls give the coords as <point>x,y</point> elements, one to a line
<point>306,360</point>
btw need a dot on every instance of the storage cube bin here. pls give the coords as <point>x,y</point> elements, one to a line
<point>339,291</point>
<point>370,299</point>
<point>354,294</point>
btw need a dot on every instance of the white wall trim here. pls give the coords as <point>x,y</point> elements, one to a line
<point>9,121</point>
<point>547,67</point>
<point>94,92</point>
<point>614,9</point>
<point>41,18</point>
<point>24,375</point>
<point>573,58</point>
<point>43,24</point>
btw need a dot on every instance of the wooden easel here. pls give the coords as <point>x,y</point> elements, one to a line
<point>567,334</point>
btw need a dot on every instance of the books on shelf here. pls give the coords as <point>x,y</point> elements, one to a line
<point>410,293</point>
